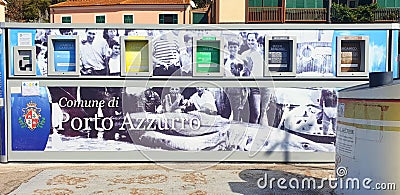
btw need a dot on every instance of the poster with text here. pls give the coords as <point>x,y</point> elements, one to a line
<point>174,118</point>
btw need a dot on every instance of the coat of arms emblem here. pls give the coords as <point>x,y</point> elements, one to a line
<point>31,118</point>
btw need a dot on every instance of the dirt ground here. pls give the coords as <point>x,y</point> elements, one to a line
<point>15,174</point>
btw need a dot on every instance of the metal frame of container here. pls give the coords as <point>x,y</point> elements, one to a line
<point>126,73</point>
<point>51,57</point>
<point>3,108</point>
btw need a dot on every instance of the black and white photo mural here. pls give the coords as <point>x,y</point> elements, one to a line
<point>192,119</point>
<point>172,50</point>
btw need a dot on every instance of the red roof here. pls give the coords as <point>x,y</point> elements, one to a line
<point>80,3</point>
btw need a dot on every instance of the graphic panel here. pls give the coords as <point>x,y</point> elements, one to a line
<point>30,121</point>
<point>174,118</point>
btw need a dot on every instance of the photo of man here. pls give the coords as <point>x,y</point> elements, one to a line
<point>234,65</point>
<point>252,57</point>
<point>328,103</point>
<point>166,55</point>
<point>93,55</point>
<point>203,101</point>
<point>186,56</point>
<point>152,101</point>
<point>114,61</point>
<point>174,101</point>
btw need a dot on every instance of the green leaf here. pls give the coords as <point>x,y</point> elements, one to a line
<point>361,14</point>
<point>21,122</point>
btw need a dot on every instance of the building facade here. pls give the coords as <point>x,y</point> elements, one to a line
<point>295,11</point>
<point>2,11</point>
<point>122,11</point>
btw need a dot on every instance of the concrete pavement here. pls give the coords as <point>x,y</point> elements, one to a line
<point>158,178</point>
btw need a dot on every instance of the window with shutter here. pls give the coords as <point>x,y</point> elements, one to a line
<point>66,19</point>
<point>128,19</point>
<point>168,19</point>
<point>101,19</point>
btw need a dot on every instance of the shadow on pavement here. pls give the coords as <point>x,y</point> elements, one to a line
<point>264,181</point>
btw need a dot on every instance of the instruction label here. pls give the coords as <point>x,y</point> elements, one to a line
<point>345,140</point>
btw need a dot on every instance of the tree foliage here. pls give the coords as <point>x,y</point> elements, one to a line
<point>361,14</point>
<point>201,3</point>
<point>29,10</point>
<point>14,10</point>
<point>38,10</point>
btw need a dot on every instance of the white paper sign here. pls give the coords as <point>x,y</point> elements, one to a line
<point>345,140</point>
<point>30,88</point>
<point>24,39</point>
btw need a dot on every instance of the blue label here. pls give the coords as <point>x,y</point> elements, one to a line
<point>30,119</point>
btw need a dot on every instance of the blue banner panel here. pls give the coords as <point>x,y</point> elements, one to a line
<point>30,119</point>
